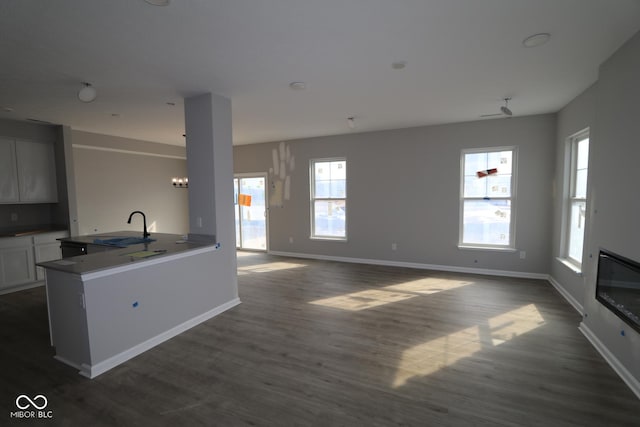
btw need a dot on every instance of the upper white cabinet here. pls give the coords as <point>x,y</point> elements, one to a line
<point>28,172</point>
<point>8,172</point>
<point>36,172</point>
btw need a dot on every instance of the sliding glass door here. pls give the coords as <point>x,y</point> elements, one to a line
<point>250,195</point>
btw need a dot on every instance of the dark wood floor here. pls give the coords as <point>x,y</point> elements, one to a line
<point>324,343</point>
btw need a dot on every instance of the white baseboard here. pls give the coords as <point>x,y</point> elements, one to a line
<point>421,266</point>
<point>574,302</point>
<point>626,376</point>
<point>92,371</point>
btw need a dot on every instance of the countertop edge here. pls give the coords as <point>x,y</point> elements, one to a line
<point>134,265</point>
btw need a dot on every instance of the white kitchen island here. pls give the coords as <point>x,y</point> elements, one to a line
<point>108,307</point>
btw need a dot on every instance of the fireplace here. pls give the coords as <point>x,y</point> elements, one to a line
<point>618,287</point>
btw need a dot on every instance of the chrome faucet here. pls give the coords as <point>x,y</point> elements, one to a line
<point>145,233</point>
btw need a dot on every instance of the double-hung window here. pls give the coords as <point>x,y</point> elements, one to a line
<point>329,199</point>
<point>577,197</point>
<point>487,198</point>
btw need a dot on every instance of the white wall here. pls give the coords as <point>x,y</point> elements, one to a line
<point>404,188</point>
<point>614,211</point>
<point>576,116</point>
<point>115,176</point>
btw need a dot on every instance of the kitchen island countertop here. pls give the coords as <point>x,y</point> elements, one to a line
<point>163,247</point>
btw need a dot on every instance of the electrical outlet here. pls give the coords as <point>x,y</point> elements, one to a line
<point>290,239</point>
<point>523,254</point>
<point>199,221</point>
<point>394,246</point>
<point>14,216</point>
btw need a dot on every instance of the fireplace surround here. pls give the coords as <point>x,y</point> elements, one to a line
<point>618,286</point>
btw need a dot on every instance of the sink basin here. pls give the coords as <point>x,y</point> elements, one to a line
<point>122,242</point>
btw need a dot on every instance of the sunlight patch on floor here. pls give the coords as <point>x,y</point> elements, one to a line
<point>369,298</point>
<point>430,357</point>
<point>268,267</point>
<point>430,285</point>
<point>362,300</point>
<point>517,322</point>
<point>441,352</point>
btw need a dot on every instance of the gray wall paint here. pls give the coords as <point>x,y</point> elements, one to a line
<point>210,163</point>
<point>576,116</point>
<point>613,192</point>
<point>110,185</point>
<point>404,188</point>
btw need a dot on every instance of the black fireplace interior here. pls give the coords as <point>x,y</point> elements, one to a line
<point>618,286</point>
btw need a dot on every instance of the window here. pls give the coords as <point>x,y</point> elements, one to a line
<point>577,197</point>
<point>487,198</point>
<point>329,199</point>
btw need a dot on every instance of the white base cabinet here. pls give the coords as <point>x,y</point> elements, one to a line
<point>17,265</point>
<point>18,257</point>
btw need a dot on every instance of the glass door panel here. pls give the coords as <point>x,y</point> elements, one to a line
<point>251,212</point>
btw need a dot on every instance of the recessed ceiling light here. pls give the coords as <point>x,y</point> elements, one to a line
<point>298,85</point>
<point>158,2</point>
<point>399,65</point>
<point>536,40</point>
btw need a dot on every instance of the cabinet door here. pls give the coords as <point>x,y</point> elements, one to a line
<point>36,172</point>
<point>8,172</point>
<point>16,266</point>
<point>44,253</point>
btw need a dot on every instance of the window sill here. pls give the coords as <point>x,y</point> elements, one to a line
<point>329,239</point>
<point>571,266</point>
<point>486,248</point>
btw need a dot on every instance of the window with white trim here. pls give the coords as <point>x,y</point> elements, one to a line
<point>329,199</point>
<point>487,198</point>
<point>576,203</point>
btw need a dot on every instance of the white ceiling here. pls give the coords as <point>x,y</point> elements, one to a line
<point>463,57</point>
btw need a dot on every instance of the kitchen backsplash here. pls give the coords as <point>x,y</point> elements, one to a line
<point>24,215</point>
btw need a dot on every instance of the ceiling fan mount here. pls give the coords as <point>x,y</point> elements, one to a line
<point>504,109</point>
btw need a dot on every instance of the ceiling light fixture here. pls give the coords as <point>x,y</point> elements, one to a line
<point>298,85</point>
<point>536,40</point>
<point>88,93</point>
<point>351,122</point>
<point>158,2</point>
<point>504,110</point>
